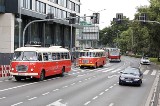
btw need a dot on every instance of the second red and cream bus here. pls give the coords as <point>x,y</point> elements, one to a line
<point>40,62</point>
<point>114,54</point>
<point>91,58</point>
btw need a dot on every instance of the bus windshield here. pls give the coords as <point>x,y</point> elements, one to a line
<point>87,54</point>
<point>25,55</point>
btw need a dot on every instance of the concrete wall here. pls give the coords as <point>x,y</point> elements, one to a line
<point>7,33</point>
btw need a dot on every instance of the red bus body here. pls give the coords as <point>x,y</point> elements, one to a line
<point>92,58</point>
<point>114,54</point>
<point>25,67</point>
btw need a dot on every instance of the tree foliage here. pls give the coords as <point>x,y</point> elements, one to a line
<point>134,35</point>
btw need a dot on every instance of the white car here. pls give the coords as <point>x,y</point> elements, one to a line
<point>145,60</point>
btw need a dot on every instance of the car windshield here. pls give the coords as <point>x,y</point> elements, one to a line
<point>25,56</point>
<point>134,71</point>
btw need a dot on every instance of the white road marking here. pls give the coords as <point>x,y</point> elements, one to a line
<point>2,98</point>
<point>146,72</point>
<point>116,70</point>
<point>101,93</point>
<point>111,104</point>
<point>57,103</point>
<point>80,81</point>
<point>87,103</point>
<point>106,90</point>
<point>73,83</point>
<point>55,90</point>
<point>45,93</point>
<point>65,86</point>
<point>32,98</point>
<point>154,72</point>
<point>17,87</point>
<point>17,104</point>
<point>111,87</point>
<point>95,97</point>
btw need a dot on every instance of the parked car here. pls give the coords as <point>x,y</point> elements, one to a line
<point>145,60</point>
<point>131,75</point>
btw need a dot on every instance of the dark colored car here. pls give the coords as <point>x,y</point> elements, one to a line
<point>131,75</point>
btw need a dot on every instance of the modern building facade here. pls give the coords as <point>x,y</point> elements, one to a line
<point>16,14</point>
<point>88,37</point>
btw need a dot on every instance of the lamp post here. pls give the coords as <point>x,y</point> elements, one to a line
<point>19,21</point>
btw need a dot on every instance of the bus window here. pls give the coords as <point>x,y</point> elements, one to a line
<point>45,56</point>
<point>53,56</point>
<point>39,57</point>
<point>49,57</point>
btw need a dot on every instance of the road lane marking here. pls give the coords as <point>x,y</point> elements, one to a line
<point>111,87</point>
<point>55,90</point>
<point>146,72</point>
<point>2,98</point>
<point>154,72</point>
<point>57,103</point>
<point>111,104</point>
<point>101,93</point>
<point>95,97</point>
<point>87,103</point>
<point>17,87</point>
<point>32,98</point>
<point>65,86</point>
<point>46,93</point>
<point>106,90</point>
<point>17,104</point>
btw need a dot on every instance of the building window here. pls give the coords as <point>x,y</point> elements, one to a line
<point>26,4</point>
<point>77,9</point>
<point>72,6</point>
<point>56,1</point>
<point>40,7</point>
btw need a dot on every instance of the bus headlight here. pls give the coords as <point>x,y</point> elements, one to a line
<point>12,69</point>
<point>32,69</point>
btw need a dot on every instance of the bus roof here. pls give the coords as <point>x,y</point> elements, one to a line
<point>43,49</point>
<point>92,50</point>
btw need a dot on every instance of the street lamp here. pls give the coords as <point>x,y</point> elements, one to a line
<point>19,21</point>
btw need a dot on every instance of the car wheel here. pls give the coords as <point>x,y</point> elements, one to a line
<point>120,83</point>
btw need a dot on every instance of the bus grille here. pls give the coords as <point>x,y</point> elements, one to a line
<point>21,68</point>
<point>85,61</point>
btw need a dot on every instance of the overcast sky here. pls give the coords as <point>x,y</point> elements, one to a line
<point>127,7</point>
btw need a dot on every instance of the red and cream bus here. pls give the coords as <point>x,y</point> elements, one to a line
<point>114,54</point>
<point>91,58</point>
<point>40,62</point>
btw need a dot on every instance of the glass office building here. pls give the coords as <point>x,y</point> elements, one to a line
<point>16,14</point>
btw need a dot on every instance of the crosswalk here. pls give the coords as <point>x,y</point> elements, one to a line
<point>151,72</point>
<point>145,72</point>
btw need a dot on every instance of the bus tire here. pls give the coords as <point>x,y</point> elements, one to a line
<point>95,66</point>
<point>63,70</point>
<point>42,76</point>
<point>18,78</point>
<point>81,67</point>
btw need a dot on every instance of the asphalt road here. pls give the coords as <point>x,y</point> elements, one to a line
<point>81,87</point>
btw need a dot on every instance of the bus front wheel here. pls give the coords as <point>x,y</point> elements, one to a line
<point>42,76</point>
<point>63,70</point>
<point>18,78</point>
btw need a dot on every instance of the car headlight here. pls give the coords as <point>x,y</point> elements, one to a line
<point>136,79</point>
<point>122,78</point>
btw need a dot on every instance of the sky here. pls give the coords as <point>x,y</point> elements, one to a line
<point>110,8</point>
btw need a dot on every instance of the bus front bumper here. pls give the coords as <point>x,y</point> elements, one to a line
<point>23,74</point>
<point>87,65</point>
